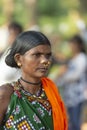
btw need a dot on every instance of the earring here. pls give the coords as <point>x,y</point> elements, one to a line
<point>19,64</point>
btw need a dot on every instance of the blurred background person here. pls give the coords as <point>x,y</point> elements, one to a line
<point>7,73</point>
<point>73,78</point>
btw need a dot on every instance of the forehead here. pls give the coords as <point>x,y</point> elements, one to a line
<point>40,49</point>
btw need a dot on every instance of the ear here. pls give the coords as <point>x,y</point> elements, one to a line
<point>17,58</point>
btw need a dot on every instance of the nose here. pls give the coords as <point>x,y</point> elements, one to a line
<point>45,61</point>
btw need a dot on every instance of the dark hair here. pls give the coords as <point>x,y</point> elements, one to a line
<point>76,39</point>
<point>24,42</point>
<point>15,26</point>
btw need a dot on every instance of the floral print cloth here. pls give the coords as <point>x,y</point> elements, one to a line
<point>28,112</point>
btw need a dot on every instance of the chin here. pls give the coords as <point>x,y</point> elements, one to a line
<point>42,75</point>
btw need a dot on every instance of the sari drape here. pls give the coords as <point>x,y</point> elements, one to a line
<point>30,113</point>
<point>58,108</point>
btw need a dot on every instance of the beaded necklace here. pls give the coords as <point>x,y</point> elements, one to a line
<point>40,93</point>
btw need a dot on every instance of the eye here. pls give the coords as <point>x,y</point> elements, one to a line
<point>48,56</point>
<point>37,54</point>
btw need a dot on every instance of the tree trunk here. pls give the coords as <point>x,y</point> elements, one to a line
<point>32,12</point>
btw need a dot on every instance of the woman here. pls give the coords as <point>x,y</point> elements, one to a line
<point>33,102</point>
<point>74,81</point>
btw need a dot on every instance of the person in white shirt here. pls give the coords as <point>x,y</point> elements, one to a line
<point>7,73</point>
<point>74,81</point>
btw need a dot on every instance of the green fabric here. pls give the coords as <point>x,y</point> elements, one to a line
<point>28,113</point>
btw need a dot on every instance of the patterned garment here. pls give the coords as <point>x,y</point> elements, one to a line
<point>28,112</point>
<point>74,81</point>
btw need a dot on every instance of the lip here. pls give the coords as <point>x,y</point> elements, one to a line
<point>43,69</point>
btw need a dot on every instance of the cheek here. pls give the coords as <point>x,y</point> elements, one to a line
<point>29,65</point>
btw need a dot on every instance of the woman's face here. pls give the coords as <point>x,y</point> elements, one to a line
<point>33,61</point>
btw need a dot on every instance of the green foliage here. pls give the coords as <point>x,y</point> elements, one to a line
<point>51,8</point>
<point>20,14</point>
<point>63,25</point>
<point>45,7</point>
<point>53,14</point>
<point>56,7</point>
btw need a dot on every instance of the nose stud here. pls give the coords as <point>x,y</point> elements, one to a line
<point>47,64</point>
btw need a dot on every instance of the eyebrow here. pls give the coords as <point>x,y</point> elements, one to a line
<point>50,53</point>
<point>39,52</point>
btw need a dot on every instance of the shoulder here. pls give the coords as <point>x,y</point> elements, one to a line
<point>5,94</point>
<point>51,88</point>
<point>5,91</point>
<point>82,56</point>
<point>46,79</point>
<point>82,59</point>
<point>48,82</point>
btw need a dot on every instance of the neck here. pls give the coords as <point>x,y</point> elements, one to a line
<point>32,83</point>
<point>29,86</point>
<point>75,54</point>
